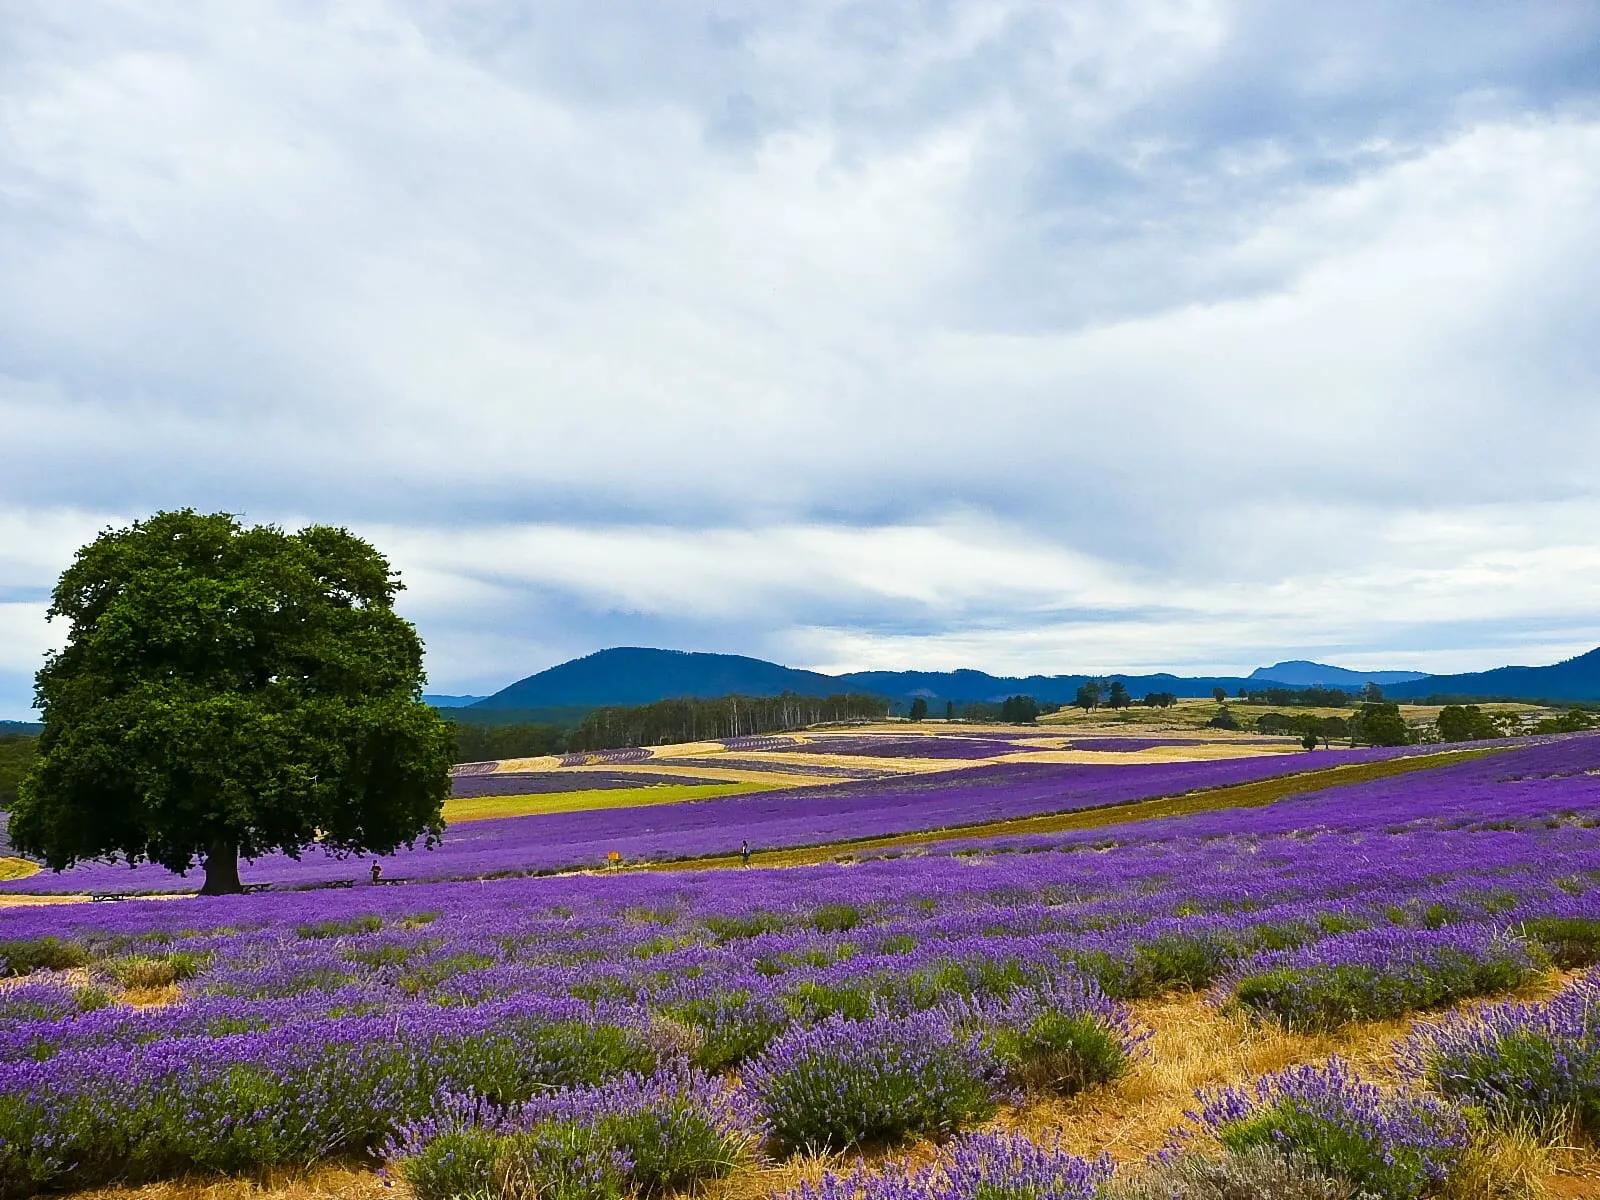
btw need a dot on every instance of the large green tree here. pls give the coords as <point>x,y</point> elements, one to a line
<point>229,690</point>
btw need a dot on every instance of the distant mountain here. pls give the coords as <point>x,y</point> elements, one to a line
<point>635,675</point>
<point>1575,679</point>
<point>967,685</point>
<point>450,701</point>
<point>1300,673</point>
<point>13,728</point>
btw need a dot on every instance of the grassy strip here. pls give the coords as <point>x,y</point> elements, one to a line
<point>480,808</point>
<point>1241,795</point>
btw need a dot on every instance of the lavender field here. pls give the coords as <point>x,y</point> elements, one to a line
<point>652,1031</point>
<point>768,820</point>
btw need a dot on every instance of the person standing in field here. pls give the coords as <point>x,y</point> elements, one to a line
<point>377,872</point>
<point>744,852</point>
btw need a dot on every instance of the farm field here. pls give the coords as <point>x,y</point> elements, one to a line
<point>964,792</point>
<point>1335,973</point>
<point>1191,714</point>
<point>516,803</point>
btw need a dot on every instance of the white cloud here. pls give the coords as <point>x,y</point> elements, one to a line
<point>1054,336</point>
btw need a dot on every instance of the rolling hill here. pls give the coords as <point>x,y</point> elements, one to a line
<point>637,675</point>
<point>1575,679</point>
<point>641,675</point>
<point>1300,673</point>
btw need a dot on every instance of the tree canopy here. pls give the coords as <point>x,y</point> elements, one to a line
<point>692,719</point>
<point>1224,719</point>
<point>1465,723</point>
<point>229,690</point>
<point>1379,724</point>
<point>1019,710</point>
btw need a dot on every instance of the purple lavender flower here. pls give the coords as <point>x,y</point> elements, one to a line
<point>884,1078</point>
<point>979,1166</point>
<point>1373,973</point>
<point>1522,1064</point>
<point>1062,1036</point>
<point>1393,1147</point>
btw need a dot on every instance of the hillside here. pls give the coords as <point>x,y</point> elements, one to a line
<point>636,675</point>
<point>1575,679</point>
<point>1047,689</point>
<point>1300,673</point>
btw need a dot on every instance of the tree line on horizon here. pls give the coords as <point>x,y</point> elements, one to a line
<point>693,719</point>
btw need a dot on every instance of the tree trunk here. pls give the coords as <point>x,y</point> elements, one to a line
<point>222,870</point>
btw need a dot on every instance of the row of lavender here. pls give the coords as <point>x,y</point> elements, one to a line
<point>339,1030</point>
<point>767,820</point>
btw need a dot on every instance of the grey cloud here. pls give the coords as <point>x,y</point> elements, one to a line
<point>1203,292</point>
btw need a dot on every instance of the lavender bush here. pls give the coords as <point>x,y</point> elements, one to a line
<point>1062,1036</point>
<point>1375,973</point>
<point>645,1135</point>
<point>1529,1065</point>
<point>989,1166</point>
<point>1389,1147</point>
<point>882,1079</point>
<point>676,1129</point>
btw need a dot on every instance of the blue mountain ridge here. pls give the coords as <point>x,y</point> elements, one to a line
<point>641,675</point>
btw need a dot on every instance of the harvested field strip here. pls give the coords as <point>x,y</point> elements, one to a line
<point>17,868</point>
<point>1177,752</point>
<point>1243,795</point>
<point>772,776</point>
<point>482,808</point>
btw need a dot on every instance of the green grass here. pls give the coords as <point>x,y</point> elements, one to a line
<point>479,808</point>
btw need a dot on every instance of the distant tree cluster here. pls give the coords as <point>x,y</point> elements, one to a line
<point>1224,718</point>
<point>1160,699</point>
<point>1379,724</point>
<point>1466,723</point>
<point>1019,710</point>
<point>690,720</point>
<point>1574,720</point>
<point>1305,725</point>
<point>1113,693</point>
<point>919,710</point>
<point>479,743</point>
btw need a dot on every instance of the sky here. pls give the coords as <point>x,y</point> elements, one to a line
<point>1031,337</point>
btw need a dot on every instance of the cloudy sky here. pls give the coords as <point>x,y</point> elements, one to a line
<point>1024,336</point>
